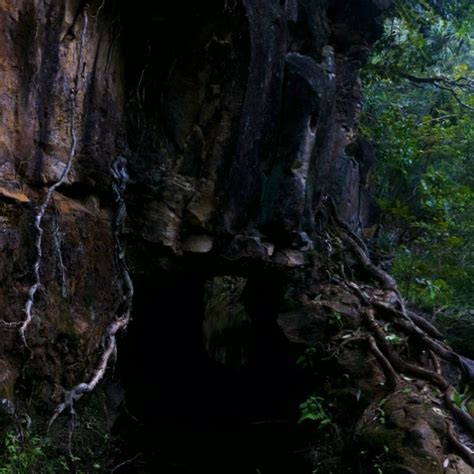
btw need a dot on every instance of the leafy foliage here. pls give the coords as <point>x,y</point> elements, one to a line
<point>29,456</point>
<point>313,409</point>
<point>419,112</point>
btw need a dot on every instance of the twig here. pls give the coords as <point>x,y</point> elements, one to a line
<point>128,461</point>
<point>10,324</point>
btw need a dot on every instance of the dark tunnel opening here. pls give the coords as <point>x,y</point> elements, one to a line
<point>187,412</point>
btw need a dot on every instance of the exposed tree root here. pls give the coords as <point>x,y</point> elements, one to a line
<point>57,244</point>
<point>435,362</point>
<point>458,413</point>
<point>394,357</point>
<point>122,317</point>
<point>387,281</point>
<point>425,325</point>
<point>460,448</point>
<point>28,309</point>
<point>391,375</point>
<point>410,324</point>
<point>340,223</point>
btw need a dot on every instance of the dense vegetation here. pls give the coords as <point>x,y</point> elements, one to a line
<point>419,113</point>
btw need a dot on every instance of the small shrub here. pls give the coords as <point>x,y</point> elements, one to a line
<point>312,409</point>
<point>28,455</point>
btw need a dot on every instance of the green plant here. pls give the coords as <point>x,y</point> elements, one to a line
<point>313,410</point>
<point>423,134</point>
<point>380,415</point>
<point>380,460</point>
<point>335,319</point>
<point>308,359</point>
<point>463,399</point>
<point>393,338</point>
<point>29,455</point>
<point>85,450</point>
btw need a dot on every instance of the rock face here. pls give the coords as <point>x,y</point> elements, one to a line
<point>62,98</point>
<point>256,122</point>
<point>239,124</point>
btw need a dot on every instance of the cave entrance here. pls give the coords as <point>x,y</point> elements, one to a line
<point>192,413</point>
<point>200,404</point>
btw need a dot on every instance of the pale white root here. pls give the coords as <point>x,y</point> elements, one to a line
<point>28,309</point>
<point>122,318</point>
